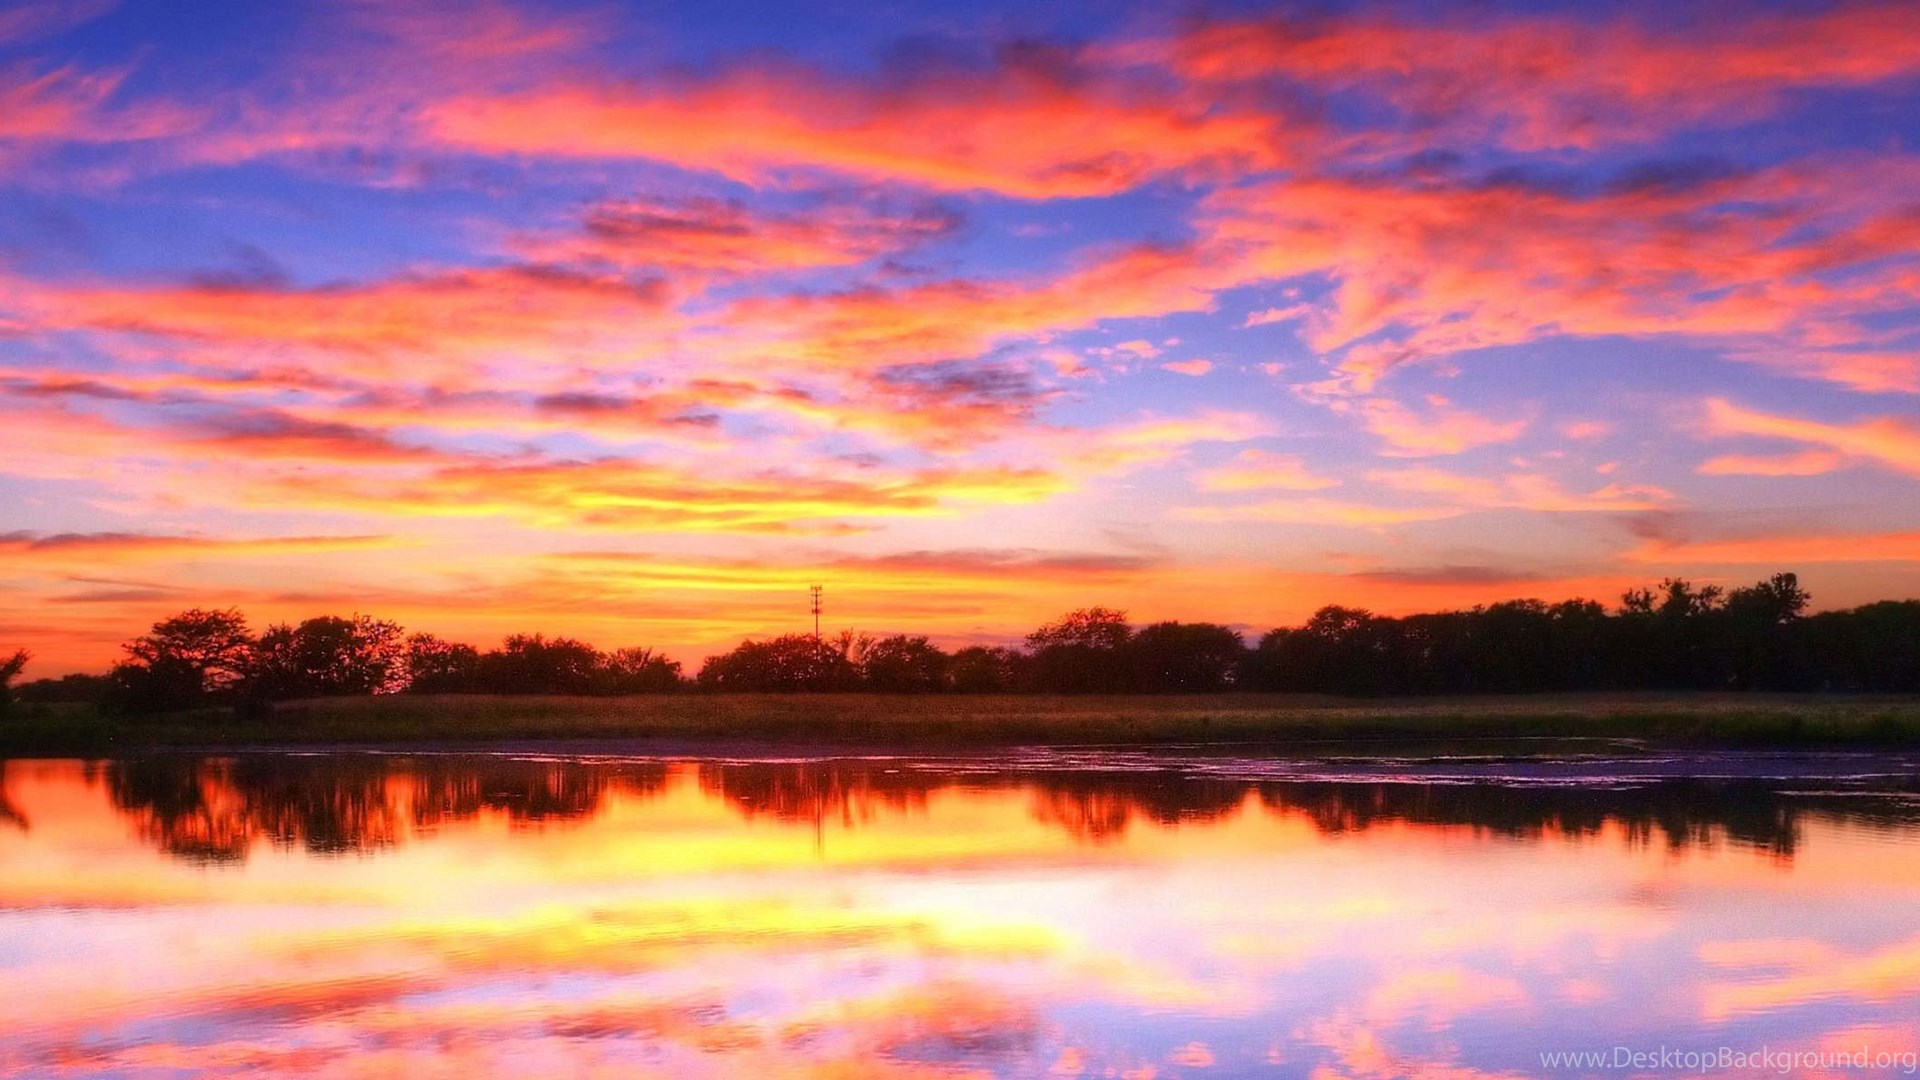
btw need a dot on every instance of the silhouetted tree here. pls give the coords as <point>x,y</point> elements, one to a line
<point>1670,636</point>
<point>853,645</point>
<point>163,685</point>
<point>67,689</point>
<point>437,666</point>
<point>10,669</point>
<point>215,645</point>
<point>329,656</point>
<point>1093,628</point>
<point>1171,657</point>
<point>792,662</point>
<point>1759,633</point>
<point>1674,635</point>
<point>1873,648</point>
<point>638,671</point>
<point>1513,644</point>
<point>1339,649</point>
<point>986,669</point>
<point>1583,644</point>
<point>902,664</point>
<point>535,664</point>
<point>1081,652</point>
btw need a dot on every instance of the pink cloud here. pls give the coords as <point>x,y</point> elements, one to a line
<point>1440,428</point>
<point>1195,368</point>
<point>1890,441</point>
<point>1037,125</point>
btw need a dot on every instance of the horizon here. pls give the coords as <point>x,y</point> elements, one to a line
<point>629,323</point>
<point>1761,615</point>
<point>1013,639</point>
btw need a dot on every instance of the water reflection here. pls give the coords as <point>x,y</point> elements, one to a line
<point>218,809</point>
<point>1094,915</point>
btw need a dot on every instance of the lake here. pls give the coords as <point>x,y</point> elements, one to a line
<point>1028,913</point>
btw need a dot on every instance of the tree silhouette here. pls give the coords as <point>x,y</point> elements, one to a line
<point>1174,657</point>
<point>1080,652</point>
<point>638,671</point>
<point>328,656</point>
<point>1092,628</point>
<point>792,662</point>
<point>536,664</point>
<point>183,662</point>
<point>1871,648</point>
<point>1675,635</point>
<point>437,666</point>
<point>67,689</point>
<point>214,645</point>
<point>1758,633</point>
<point>10,669</point>
<point>987,669</point>
<point>902,664</point>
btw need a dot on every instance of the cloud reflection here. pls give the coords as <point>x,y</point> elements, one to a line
<point>360,915</point>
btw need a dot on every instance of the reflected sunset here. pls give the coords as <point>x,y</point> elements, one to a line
<point>353,915</point>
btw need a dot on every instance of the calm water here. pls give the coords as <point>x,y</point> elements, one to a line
<point>1095,915</point>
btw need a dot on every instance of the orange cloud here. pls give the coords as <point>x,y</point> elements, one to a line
<point>90,548</point>
<point>1318,512</point>
<point>1585,429</point>
<point>451,314</point>
<point>1521,491</point>
<point>1151,440</point>
<point>1254,470</point>
<point>1867,372</point>
<point>935,321</point>
<point>1443,429</point>
<point>1787,550</point>
<point>1037,124</point>
<point>1802,463</point>
<point>1424,270</point>
<point>1889,441</point>
<point>1549,83</point>
<point>633,495</point>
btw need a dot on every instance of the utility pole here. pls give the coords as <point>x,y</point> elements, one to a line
<point>815,589</point>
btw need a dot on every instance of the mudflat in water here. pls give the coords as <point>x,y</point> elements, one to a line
<point>1023,914</point>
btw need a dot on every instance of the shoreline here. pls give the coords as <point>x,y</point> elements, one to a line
<point>876,723</point>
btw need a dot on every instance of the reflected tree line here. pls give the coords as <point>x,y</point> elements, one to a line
<point>1675,636</point>
<point>216,810</point>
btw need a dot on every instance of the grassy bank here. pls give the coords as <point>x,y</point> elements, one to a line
<point>890,721</point>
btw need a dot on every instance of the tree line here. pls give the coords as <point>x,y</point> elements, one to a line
<point>1674,636</point>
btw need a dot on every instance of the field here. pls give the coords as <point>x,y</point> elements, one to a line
<point>894,722</point>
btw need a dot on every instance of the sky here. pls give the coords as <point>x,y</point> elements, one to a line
<point>631,321</point>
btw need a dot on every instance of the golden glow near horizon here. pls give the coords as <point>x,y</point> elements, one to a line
<point>617,321</point>
<point>775,920</point>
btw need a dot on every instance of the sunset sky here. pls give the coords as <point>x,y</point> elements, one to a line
<point>630,321</point>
